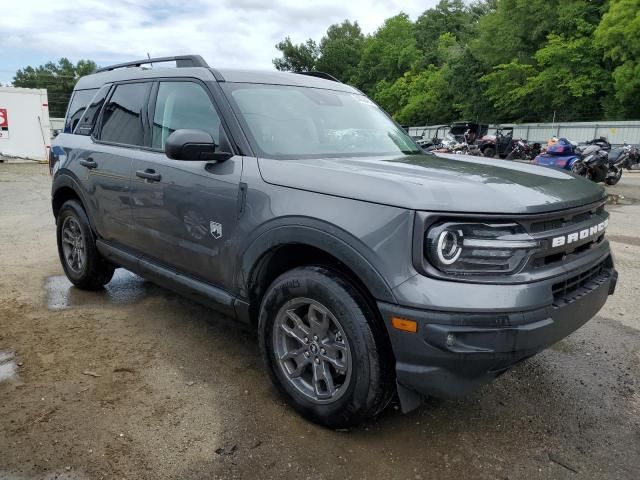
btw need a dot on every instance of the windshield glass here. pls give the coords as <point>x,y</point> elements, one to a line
<point>300,122</point>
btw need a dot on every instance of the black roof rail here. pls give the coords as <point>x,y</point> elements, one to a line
<point>326,76</point>
<point>182,61</point>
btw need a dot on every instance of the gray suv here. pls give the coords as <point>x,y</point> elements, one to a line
<point>292,203</point>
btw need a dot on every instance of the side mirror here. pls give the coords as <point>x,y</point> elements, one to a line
<point>193,145</point>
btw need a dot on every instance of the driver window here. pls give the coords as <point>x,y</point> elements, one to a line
<point>183,105</point>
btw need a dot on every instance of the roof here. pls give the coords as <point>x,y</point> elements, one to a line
<point>34,91</point>
<point>96,80</point>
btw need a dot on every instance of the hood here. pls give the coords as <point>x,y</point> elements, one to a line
<point>443,182</point>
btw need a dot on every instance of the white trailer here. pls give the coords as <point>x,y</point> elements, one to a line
<point>25,131</point>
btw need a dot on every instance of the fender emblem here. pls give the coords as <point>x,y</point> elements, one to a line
<point>216,229</point>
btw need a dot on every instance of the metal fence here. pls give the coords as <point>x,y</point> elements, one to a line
<point>616,132</point>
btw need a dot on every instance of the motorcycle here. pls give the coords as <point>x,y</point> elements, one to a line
<point>593,164</point>
<point>561,154</point>
<point>523,151</point>
<point>627,156</point>
<point>590,161</point>
<point>450,144</point>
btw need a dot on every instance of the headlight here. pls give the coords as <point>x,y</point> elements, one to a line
<point>478,248</point>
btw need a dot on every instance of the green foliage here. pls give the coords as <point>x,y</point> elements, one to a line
<point>388,53</point>
<point>448,16</point>
<point>341,50</point>
<point>619,36</point>
<point>59,80</point>
<point>492,60</point>
<point>296,58</point>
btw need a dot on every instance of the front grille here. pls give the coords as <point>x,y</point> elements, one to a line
<point>561,225</point>
<point>575,287</point>
<point>565,221</point>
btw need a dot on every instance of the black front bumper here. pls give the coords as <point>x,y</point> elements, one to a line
<point>452,353</point>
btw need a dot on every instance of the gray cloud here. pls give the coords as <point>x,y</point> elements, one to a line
<point>231,33</point>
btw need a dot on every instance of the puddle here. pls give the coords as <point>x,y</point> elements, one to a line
<point>8,367</point>
<point>125,288</point>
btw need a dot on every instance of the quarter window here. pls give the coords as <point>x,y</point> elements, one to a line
<point>91,113</point>
<point>122,116</point>
<point>183,105</point>
<point>79,102</point>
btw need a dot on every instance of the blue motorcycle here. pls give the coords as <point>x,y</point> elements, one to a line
<point>561,155</point>
<point>590,162</point>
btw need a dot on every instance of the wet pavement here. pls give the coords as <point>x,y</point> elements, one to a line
<point>125,288</point>
<point>136,382</point>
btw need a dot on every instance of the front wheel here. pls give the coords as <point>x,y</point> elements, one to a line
<point>579,169</point>
<point>615,178</point>
<point>489,152</point>
<point>323,349</point>
<point>80,259</point>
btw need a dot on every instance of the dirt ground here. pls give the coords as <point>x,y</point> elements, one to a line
<point>138,383</point>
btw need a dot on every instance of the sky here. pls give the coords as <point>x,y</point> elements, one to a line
<point>227,33</point>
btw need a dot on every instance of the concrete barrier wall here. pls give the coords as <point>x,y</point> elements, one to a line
<point>616,132</point>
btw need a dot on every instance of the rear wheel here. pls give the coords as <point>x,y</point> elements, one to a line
<point>322,349</point>
<point>82,263</point>
<point>489,152</point>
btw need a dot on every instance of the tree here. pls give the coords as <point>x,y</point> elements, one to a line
<point>388,53</point>
<point>341,51</point>
<point>424,96</point>
<point>619,36</point>
<point>491,60</point>
<point>563,71</point>
<point>296,58</point>
<point>59,80</point>
<point>448,16</point>
<point>514,31</point>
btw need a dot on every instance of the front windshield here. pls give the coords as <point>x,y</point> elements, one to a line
<point>299,122</point>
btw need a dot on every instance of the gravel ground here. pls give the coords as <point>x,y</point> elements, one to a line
<point>135,382</point>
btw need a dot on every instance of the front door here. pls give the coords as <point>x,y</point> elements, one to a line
<point>185,212</point>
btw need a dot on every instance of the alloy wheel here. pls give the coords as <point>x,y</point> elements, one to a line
<point>312,350</point>
<point>73,245</point>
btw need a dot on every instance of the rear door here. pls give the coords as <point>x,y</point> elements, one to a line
<point>117,139</point>
<point>185,212</point>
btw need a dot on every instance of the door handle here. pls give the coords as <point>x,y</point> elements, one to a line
<point>149,174</point>
<point>89,163</point>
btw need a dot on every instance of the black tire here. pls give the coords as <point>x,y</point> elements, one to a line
<point>489,152</point>
<point>94,272</point>
<point>615,179</point>
<point>371,384</point>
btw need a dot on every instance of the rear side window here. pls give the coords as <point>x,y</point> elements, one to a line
<point>183,105</point>
<point>122,116</point>
<point>90,115</point>
<point>79,101</point>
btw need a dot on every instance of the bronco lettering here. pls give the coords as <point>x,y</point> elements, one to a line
<point>580,235</point>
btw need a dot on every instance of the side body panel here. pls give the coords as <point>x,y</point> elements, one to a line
<point>187,219</point>
<point>105,188</point>
<point>372,240</point>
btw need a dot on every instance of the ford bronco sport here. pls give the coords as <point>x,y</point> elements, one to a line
<point>293,203</point>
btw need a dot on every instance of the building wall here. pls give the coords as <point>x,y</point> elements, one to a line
<point>27,132</point>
